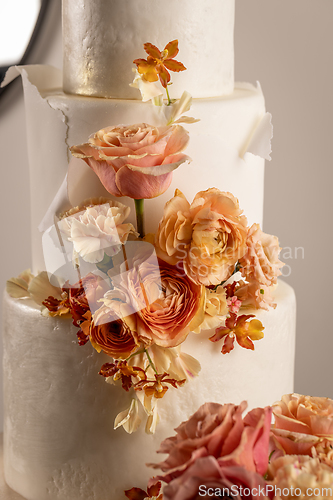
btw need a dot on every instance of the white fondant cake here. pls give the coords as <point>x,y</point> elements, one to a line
<point>218,146</point>
<point>59,440</point>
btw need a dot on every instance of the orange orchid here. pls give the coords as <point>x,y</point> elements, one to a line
<point>57,307</point>
<point>239,328</point>
<point>158,63</point>
<point>155,387</point>
<point>121,370</point>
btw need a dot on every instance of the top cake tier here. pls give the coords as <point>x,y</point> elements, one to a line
<point>102,37</point>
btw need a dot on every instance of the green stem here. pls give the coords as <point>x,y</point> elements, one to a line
<point>139,208</point>
<point>151,362</point>
<point>168,95</point>
<point>140,351</point>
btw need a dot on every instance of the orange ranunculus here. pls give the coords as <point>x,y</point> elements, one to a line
<point>179,308</point>
<point>209,235</point>
<point>135,160</point>
<point>112,335</point>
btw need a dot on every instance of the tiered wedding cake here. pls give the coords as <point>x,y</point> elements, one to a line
<point>59,438</point>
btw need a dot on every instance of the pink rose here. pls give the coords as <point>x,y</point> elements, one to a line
<point>135,160</point>
<point>261,262</point>
<point>219,431</point>
<point>302,422</point>
<point>205,478</point>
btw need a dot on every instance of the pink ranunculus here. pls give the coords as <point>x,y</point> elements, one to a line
<point>205,478</point>
<point>221,432</point>
<point>135,160</point>
<point>302,422</point>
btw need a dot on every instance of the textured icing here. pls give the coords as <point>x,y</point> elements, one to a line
<point>59,438</point>
<point>101,38</point>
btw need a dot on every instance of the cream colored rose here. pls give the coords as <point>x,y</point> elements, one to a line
<point>96,229</point>
<point>216,309</point>
<point>300,477</point>
<point>261,261</point>
<point>208,236</point>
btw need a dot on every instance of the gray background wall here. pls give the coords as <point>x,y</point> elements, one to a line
<point>288,46</point>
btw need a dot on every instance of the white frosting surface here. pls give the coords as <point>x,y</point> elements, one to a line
<point>218,145</point>
<point>101,38</point>
<point>59,438</point>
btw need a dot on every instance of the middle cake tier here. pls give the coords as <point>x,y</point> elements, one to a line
<point>227,147</point>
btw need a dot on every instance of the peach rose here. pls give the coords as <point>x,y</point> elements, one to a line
<point>261,262</point>
<point>209,235</point>
<point>302,422</point>
<point>135,160</point>
<point>113,335</point>
<point>205,478</point>
<point>221,432</point>
<point>295,476</point>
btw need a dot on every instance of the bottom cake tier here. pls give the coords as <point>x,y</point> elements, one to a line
<point>59,440</point>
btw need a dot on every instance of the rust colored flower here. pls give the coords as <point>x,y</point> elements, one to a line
<point>115,336</point>
<point>157,388</point>
<point>239,328</point>
<point>153,492</point>
<point>135,160</point>
<point>57,307</point>
<point>121,370</point>
<point>158,63</point>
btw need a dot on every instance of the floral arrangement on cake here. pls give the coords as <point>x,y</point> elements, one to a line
<point>138,297</point>
<point>218,452</point>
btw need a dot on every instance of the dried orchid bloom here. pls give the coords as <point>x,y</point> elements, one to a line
<point>158,63</point>
<point>120,370</point>
<point>153,492</point>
